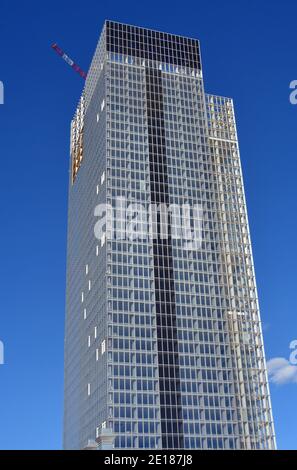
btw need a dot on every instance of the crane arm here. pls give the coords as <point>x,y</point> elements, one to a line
<point>69,61</point>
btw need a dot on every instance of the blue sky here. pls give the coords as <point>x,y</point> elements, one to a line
<point>248,53</point>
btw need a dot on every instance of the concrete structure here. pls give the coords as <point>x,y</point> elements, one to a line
<point>163,345</point>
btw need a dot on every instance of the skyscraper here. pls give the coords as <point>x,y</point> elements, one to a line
<point>163,342</point>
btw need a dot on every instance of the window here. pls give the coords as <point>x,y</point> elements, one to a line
<point>103,347</point>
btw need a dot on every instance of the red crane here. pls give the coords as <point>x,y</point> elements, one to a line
<point>69,61</point>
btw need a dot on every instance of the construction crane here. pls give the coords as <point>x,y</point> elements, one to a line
<point>69,61</point>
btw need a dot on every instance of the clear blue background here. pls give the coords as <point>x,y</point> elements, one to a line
<point>249,53</point>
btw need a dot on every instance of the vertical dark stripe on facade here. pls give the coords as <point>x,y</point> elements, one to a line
<point>169,377</point>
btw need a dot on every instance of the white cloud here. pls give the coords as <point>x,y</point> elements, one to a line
<point>280,371</point>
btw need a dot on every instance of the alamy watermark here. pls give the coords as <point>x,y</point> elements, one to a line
<point>126,220</point>
<point>1,93</point>
<point>1,353</point>
<point>293,94</point>
<point>293,355</point>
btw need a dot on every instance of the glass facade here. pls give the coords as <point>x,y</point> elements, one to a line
<point>163,343</point>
